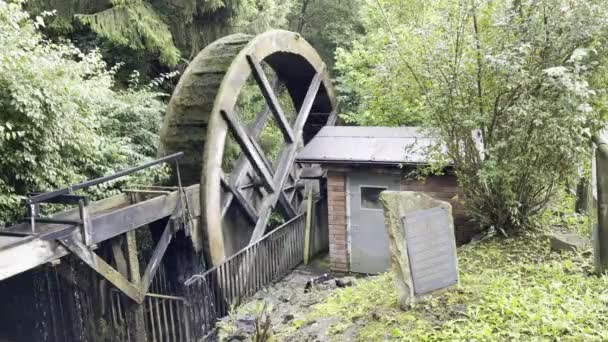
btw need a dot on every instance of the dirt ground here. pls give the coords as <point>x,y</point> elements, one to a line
<point>287,303</point>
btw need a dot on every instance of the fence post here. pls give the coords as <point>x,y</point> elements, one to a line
<point>308,224</point>
<point>134,311</point>
<point>601,234</point>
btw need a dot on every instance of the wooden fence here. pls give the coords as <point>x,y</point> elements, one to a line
<point>214,293</point>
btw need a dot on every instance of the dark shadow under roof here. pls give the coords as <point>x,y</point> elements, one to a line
<point>371,145</point>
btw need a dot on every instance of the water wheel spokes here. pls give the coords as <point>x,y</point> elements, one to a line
<point>206,121</point>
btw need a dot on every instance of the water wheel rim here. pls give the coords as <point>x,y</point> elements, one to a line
<point>295,61</point>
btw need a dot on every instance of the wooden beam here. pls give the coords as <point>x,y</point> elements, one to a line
<point>157,256</point>
<point>242,165</point>
<point>309,99</point>
<point>287,159</point>
<point>286,207</point>
<point>67,199</point>
<point>308,225</point>
<point>134,312</point>
<point>333,118</point>
<point>19,254</point>
<point>119,257</point>
<point>27,253</point>
<point>74,244</point>
<point>250,213</point>
<point>284,202</point>
<point>271,98</point>
<point>249,150</point>
<point>262,154</point>
<point>122,220</point>
<point>133,259</point>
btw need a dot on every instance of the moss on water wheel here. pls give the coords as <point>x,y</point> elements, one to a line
<point>212,83</point>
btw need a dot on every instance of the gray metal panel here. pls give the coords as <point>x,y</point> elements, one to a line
<point>431,250</point>
<point>388,145</point>
<point>369,248</point>
<point>372,132</point>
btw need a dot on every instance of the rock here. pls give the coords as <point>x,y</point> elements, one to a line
<point>568,242</point>
<point>396,204</point>
<point>316,281</point>
<point>344,282</point>
<point>287,318</point>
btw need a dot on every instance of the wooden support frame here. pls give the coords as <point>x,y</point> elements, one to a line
<point>159,252</point>
<point>135,311</point>
<point>271,98</point>
<point>248,148</point>
<point>128,268</point>
<point>250,212</point>
<point>109,218</point>
<point>287,158</point>
<point>75,245</point>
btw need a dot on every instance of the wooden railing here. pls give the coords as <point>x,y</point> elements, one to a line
<point>213,294</point>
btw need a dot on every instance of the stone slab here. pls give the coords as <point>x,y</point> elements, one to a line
<point>398,204</point>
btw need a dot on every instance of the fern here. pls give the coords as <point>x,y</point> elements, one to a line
<point>134,24</point>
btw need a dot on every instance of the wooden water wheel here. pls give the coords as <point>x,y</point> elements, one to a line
<point>242,182</point>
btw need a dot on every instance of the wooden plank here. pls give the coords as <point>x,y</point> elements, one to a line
<point>120,221</point>
<point>285,206</point>
<point>308,226</point>
<point>67,199</point>
<point>271,98</point>
<point>249,150</point>
<point>18,255</point>
<point>97,207</point>
<point>250,212</point>
<point>157,256</point>
<point>284,203</point>
<point>134,274</point>
<point>119,257</point>
<point>89,257</point>
<point>261,153</point>
<point>135,311</point>
<point>242,165</point>
<point>28,253</point>
<point>310,97</point>
<point>333,118</point>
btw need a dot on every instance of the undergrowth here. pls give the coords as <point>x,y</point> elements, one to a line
<point>511,289</point>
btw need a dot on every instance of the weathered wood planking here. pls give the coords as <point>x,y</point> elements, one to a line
<point>110,217</point>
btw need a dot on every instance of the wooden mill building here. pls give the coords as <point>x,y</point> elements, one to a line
<point>360,163</point>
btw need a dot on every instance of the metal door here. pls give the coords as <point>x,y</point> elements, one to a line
<point>369,251</point>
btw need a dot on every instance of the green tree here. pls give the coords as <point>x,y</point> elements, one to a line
<point>170,31</point>
<point>61,118</point>
<point>327,24</point>
<point>525,73</point>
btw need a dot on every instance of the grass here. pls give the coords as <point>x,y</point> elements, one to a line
<point>511,289</point>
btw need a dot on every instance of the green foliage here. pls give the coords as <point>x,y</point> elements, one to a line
<point>327,24</point>
<point>160,30</point>
<point>526,74</point>
<point>514,289</point>
<point>61,120</point>
<point>561,215</point>
<point>134,24</point>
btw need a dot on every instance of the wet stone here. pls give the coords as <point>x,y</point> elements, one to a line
<point>569,242</point>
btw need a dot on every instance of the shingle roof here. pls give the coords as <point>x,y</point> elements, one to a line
<point>377,145</point>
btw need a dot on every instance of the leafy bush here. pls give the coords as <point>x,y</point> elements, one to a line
<point>525,73</point>
<point>61,118</point>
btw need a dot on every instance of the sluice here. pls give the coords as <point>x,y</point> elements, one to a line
<point>163,263</point>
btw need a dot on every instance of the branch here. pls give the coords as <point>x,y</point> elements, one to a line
<point>479,71</point>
